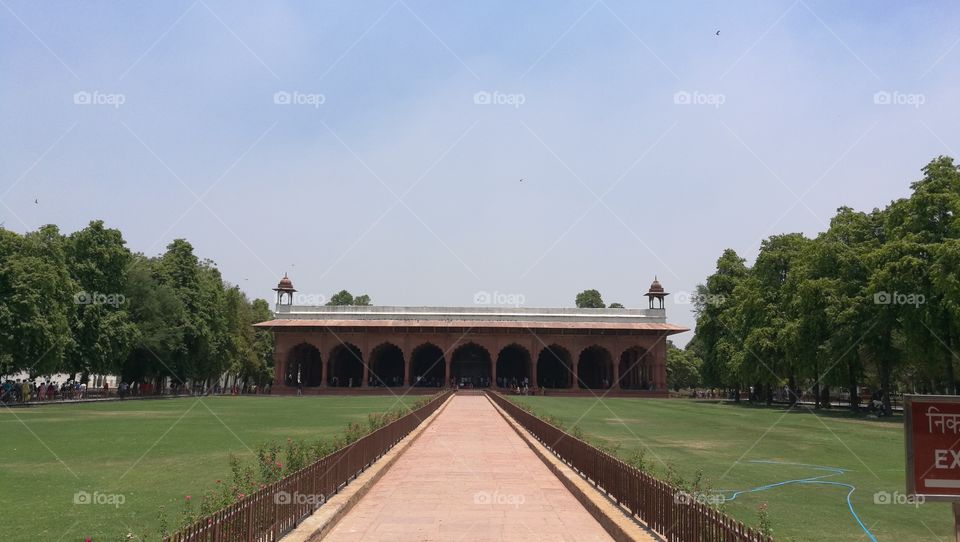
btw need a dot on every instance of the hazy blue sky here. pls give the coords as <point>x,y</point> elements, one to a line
<point>399,184</point>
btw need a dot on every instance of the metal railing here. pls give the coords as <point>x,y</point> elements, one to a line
<point>274,510</point>
<point>674,514</point>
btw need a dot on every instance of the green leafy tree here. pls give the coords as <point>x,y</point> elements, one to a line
<point>158,314</point>
<point>103,333</point>
<point>36,298</point>
<point>344,297</point>
<point>683,368</point>
<point>589,299</point>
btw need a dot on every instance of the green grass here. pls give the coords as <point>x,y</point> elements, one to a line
<point>722,440</point>
<point>152,453</point>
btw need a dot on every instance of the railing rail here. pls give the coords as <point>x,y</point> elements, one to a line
<point>273,511</point>
<point>666,509</point>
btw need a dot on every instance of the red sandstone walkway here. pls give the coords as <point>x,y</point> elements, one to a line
<point>468,477</point>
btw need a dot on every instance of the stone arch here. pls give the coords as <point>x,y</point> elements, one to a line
<point>345,366</point>
<point>554,367</point>
<point>428,366</point>
<point>513,366</point>
<point>595,368</point>
<point>635,369</point>
<point>304,366</point>
<point>387,365</point>
<point>470,365</point>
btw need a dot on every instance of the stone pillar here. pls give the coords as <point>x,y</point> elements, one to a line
<point>533,371</point>
<point>660,364</point>
<point>279,368</point>
<point>365,357</point>
<point>407,363</point>
<point>616,373</point>
<point>574,347</point>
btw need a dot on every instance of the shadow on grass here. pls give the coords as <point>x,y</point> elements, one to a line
<point>841,413</point>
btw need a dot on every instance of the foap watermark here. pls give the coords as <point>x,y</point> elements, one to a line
<point>486,97</point>
<point>498,298</point>
<point>708,499</point>
<point>685,97</point>
<point>885,97</point>
<point>284,97</point>
<point>495,497</point>
<point>313,300</point>
<point>886,497</point>
<point>295,497</point>
<point>99,298</point>
<point>109,499</point>
<point>86,97</point>
<point>897,298</point>
<point>687,298</point>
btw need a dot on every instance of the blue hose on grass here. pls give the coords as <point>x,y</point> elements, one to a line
<point>834,471</point>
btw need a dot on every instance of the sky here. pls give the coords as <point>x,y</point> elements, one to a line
<point>428,153</point>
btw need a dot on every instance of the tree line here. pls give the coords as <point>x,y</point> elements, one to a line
<point>85,304</point>
<point>874,302</point>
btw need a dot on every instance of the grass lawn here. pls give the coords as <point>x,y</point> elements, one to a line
<point>151,452</point>
<point>743,447</point>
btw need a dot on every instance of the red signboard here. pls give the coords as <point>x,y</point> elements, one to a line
<point>932,424</point>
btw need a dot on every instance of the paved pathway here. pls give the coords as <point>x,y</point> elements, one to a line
<point>468,477</point>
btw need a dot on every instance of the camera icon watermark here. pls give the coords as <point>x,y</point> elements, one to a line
<point>686,97</point>
<point>495,497</point>
<point>98,298</point>
<point>897,298</point>
<point>486,97</point>
<point>495,298</point>
<point>295,497</point>
<point>283,97</point>
<point>884,97</point>
<point>109,499</point>
<point>86,97</point>
<point>886,497</point>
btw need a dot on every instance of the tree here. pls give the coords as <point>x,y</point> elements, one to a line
<point>589,299</point>
<point>683,368</point>
<point>36,296</point>
<point>874,299</point>
<point>263,343</point>
<point>716,334</point>
<point>344,297</point>
<point>158,314</point>
<point>616,306</point>
<point>103,334</point>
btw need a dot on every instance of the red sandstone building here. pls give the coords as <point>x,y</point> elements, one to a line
<point>322,347</point>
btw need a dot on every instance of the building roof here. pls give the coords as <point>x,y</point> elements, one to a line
<point>288,316</point>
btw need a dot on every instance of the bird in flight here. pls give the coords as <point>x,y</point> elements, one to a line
<point>718,33</point>
<point>36,201</point>
<point>521,180</point>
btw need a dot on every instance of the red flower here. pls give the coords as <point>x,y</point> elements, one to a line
<point>186,498</point>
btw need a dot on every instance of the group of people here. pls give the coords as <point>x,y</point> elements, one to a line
<point>22,391</point>
<point>467,382</point>
<point>512,382</point>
